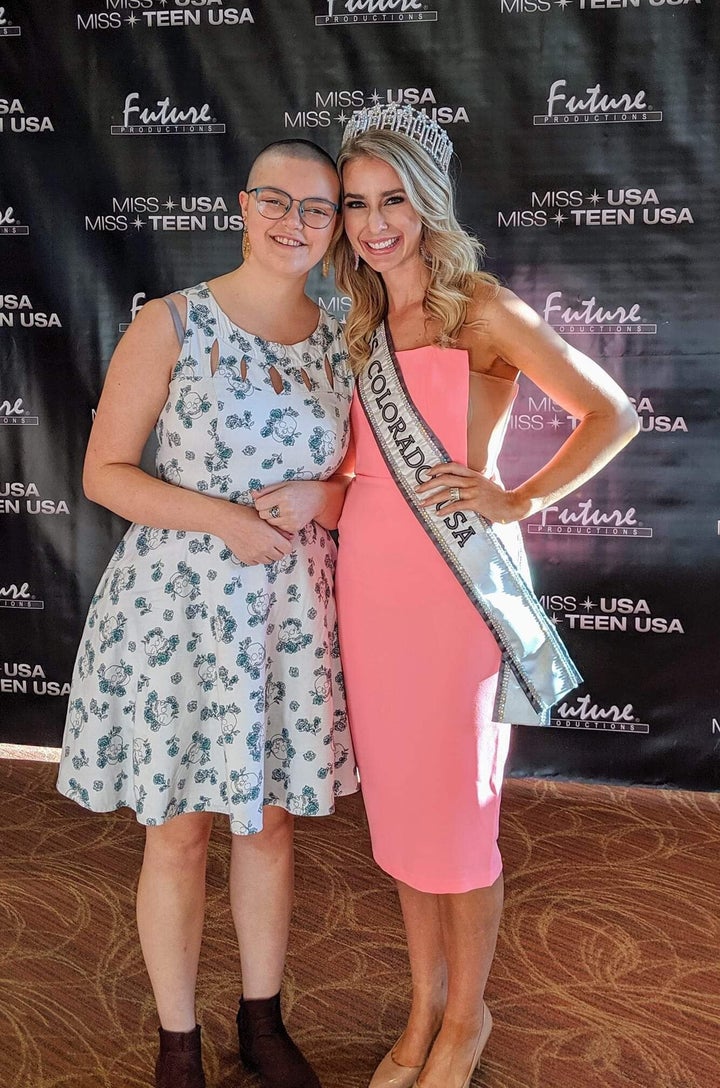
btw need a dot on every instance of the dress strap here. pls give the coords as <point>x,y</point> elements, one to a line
<point>177,321</point>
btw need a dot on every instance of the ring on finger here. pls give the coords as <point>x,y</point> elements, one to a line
<point>454,494</point>
<point>274,511</point>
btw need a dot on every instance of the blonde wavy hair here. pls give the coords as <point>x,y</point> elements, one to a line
<point>452,255</point>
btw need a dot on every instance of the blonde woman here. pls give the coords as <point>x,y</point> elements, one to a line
<point>442,640</point>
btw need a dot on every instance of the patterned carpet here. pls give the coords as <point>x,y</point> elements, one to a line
<point>607,971</point>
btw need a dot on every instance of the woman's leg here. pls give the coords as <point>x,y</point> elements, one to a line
<point>428,970</point>
<point>261,899</point>
<point>470,924</point>
<point>170,913</point>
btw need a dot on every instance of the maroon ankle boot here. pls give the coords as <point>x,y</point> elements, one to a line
<point>267,1049</point>
<point>179,1063</point>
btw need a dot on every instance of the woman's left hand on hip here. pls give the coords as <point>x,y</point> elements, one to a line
<point>454,487</point>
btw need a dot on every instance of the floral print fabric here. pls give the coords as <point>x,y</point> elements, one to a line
<point>203,683</point>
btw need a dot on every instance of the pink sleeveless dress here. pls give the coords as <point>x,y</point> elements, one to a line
<point>420,664</point>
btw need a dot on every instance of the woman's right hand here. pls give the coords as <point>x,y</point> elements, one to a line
<point>252,540</point>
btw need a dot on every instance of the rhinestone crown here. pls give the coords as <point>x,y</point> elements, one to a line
<point>418,126</point>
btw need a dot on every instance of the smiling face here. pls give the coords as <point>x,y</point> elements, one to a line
<point>380,222</point>
<point>287,245</point>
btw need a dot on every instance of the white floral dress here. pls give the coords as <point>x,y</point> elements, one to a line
<point>202,683</point>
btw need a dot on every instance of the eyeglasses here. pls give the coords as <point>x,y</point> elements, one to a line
<point>276,203</point>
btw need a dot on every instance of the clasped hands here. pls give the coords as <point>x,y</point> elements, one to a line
<point>265,533</point>
<point>448,480</point>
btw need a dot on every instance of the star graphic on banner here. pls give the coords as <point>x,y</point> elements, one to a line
<point>169,204</point>
<point>341,118</point>
<point>559,218</point>
<point>563,3</point>
<point>138,223</point>
<point>555,619</point>
<point>555,423</point>
<point>375,97</point>
<point>132,19</point>
<point>588,604</point>
<point>163,2</point>
<point>594,196</point>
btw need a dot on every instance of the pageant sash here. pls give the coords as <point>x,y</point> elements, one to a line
<point>536,670</point>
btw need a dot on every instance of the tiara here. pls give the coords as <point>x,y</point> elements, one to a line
<point>418,126</point>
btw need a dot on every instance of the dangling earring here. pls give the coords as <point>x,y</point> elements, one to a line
<point>356,260</point>
<point>326,266</point>
<point>424,253</point>
<point>245,245</point>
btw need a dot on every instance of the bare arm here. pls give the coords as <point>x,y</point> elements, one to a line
<point>516,334</point>
<point>135,390</point>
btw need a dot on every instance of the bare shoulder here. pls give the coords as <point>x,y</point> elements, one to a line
<point>155,316</point>
<point>505,304</point>
<point>152,333</point>
<point>484,295</point>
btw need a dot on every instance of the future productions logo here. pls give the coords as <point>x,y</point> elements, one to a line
<point>163,119</point>
<point>587,316</point>
<point>611,614</point>
<point>13,413</point>
<point>337,106</point>
<point>9,225</point>
<point>7,28</point>
<point>139,14</point>
<point>19,596</point>
<point>575,208</point>
<point>584,519</point>
<point>584,714</point>
<point>359,12</point>
<point>593,106</point>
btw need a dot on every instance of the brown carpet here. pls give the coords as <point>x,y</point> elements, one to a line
<point>606,975</point>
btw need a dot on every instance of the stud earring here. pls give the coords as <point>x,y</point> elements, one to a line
<point>326,266</point>
<point>246,245</point>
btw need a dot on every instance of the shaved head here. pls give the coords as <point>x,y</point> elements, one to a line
<point>289,149</point>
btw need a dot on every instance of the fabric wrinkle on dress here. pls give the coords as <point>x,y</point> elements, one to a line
<point>420,664</point>
<point>203,683</point>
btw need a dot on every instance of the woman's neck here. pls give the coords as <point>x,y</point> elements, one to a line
<point>406,287</point>
<point>266,291</point>
<point>271,306</point>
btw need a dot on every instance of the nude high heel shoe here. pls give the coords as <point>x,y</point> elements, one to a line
<point>484,1036</point>
<point>482,1040</point>
<point>389,1074</point>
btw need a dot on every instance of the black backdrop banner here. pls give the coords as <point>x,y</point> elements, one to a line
<point>588,158</point>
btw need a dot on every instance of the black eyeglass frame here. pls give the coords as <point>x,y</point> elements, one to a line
<point>293,200</point>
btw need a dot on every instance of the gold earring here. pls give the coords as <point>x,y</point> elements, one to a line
<point>245,245</point>
<point>326,266</point>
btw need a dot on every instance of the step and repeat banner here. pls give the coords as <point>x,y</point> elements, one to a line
<point>587,150</point>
